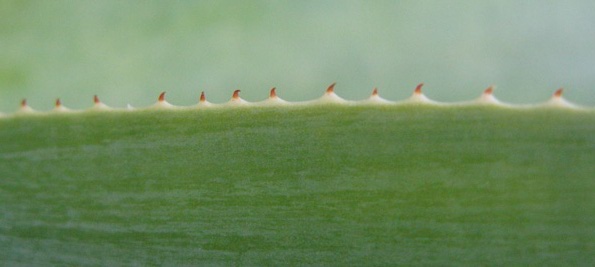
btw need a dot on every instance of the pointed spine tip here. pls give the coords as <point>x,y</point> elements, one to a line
<point>161,97</point>
<point>375,91</point>
<point>24,102</point>
<point>331,88</point>
<point>418,88</point>
<point>489,90</point>
<point>96,99</point>
<point>236,94</point>
<point>273,93</point>
<point>559,92</point>
<point>203,98</point>
<point>58,103</point>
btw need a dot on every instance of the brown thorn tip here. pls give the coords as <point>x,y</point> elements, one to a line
<point>24,102</point>
<point>418,88</point>
<point>96,99</point>
<point>489,90</point>
<point>162,97</point>
<point>331,88</point>
<point>58,102</point>
<point>236,94</point>
<point>203,98</point>
<point>375,92</point>
<point>558,92</point>
<point>273,92</point>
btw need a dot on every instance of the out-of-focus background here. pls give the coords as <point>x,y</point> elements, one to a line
<point>129,51</point>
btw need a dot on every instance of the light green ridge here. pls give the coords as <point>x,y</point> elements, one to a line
<point>315,185</point>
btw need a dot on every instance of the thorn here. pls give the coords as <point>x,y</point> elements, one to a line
<point>559,92</point>
<point>203,98</point>
<point>331,88</point>
<point>24,102</point>
<point>273,93</point>
<point>161,97</point>
<point>375,92</point>
<point>418,88</point>
<point>489,90</point>
<point>96,99</point>
<point>58,103</point>
<point>236,94</point>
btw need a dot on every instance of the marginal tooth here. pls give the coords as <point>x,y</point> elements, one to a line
<point>375,98</point>
<point>236,95</point>
<point>487,97</point>
<point>97,104</point>
<point>330,89</point>
<point>488,94</point>
<point>329,96</point>
<point>162,103</point>
<point>489,90</point>
<point>59,106</point>
<point>203,98</point>
<point>273,99</point>
<point>25,107</point>
<point>418,89</point>
<point>418,97</point>
<point>557,100</point>
<point>236,99</point>
<point>202,102</point>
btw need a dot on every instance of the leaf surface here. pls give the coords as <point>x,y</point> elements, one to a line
<point>321,185</point>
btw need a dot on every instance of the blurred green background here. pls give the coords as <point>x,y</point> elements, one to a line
<point>129,51</point>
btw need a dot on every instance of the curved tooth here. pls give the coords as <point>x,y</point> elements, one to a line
<point>25,108</point>
<point>202,101</point>
<point>375,98</point>
<point>162,103</point>
<point>331,88</point>
<point>488,98</point>
<point>58,107</point>
<point>98,105</point>
<point>418,97</point>
<point>557,100</point>
<point>236,99</point>
<point>329,97</point>
<point>273,99</point>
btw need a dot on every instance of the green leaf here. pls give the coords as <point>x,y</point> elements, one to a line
<point>297,185</point>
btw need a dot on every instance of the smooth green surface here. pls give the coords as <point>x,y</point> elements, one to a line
<point>327,185</point>
<point>130,51</point>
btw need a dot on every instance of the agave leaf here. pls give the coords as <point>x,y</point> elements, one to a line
<point>284,185</point>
